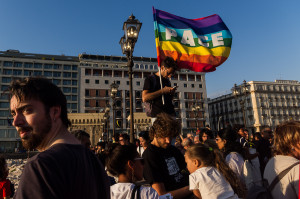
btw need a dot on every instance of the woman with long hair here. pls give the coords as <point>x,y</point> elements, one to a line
<point>232,151</point>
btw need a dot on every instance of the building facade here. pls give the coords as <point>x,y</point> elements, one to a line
<point>99,72</point>
<point>97,127</point>
<point>266,105</point>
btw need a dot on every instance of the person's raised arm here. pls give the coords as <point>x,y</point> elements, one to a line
<point>176,194</point>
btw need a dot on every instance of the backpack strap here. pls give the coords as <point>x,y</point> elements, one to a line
<point>138,192</point>
<point>280,176</point>
<point>136,189</point>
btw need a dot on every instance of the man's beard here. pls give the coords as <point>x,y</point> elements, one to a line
<point>37,135</point>
<point>163,145</point>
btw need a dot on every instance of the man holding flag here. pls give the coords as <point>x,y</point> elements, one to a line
<point>158,91</point>
<point>199,45</point>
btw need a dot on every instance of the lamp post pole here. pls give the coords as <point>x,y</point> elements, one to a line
<point>130,73</point>
<point>196,109</point>
<point>131,29</point>
<point>240,93</point>
<point>106,117</point>
<point>114,90</point>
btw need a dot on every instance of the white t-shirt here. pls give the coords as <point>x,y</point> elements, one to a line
<point>140,150</point>
<point>288,187</point>
<point>124,191</point>
<point>236,162</point>
<point>211,184</point>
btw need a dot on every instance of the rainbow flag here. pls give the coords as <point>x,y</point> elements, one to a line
<point>199,44</point>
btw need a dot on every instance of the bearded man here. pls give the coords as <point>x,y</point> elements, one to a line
<point>63,168</point>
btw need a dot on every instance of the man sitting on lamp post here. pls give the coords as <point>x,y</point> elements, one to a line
<point>153,91</point>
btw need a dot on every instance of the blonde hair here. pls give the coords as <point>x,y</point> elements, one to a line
<point>286,136</point>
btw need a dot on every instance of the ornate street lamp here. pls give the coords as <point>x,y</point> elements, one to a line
<point>196,108</point>
<point>240,92</point>
<point>131,29</point>
<point>107,108</point>
<point>113,92</point>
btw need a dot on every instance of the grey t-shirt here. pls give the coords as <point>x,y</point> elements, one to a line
<point>288,187</point>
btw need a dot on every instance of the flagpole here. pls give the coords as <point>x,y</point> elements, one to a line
<point>161,86</point>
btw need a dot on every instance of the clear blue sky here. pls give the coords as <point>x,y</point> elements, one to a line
<point>265,32</point>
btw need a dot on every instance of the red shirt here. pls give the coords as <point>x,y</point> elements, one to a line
<point>4,188</point>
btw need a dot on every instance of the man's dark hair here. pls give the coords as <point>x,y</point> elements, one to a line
<point>124,136</point>
<point>237,127</point>
<point>169,62</point>
<point>41,89</point>
<point>208,132</point>
<point>144,135</point>
<point>258,135</point>
<point>118,158</point>
<point>80,133</point>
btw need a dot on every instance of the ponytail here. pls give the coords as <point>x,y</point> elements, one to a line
<point>238,187</point>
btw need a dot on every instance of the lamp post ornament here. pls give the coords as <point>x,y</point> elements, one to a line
<point>131,29</point>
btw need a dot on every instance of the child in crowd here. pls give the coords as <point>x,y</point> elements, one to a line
<point>5,190</point>
<point>125,163</point>
<point>210,176</point>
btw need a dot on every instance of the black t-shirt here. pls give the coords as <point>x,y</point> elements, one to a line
<point>165,166</point>
<point>63,171</point>
<point>152,84</point>
<point>263,147</point>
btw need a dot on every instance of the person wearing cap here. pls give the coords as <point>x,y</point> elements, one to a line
<point>64,168</point>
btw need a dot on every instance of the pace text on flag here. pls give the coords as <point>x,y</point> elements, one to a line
<point>199,44</point>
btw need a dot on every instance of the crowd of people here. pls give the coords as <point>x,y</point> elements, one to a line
<point>206,164</point>
<point>162,163</point>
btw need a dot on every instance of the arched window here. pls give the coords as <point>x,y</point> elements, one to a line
<point>119,113</point>
<point>138,94</point>
<point>118,103</point>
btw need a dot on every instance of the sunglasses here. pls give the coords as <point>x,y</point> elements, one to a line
<point>121,140</point>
